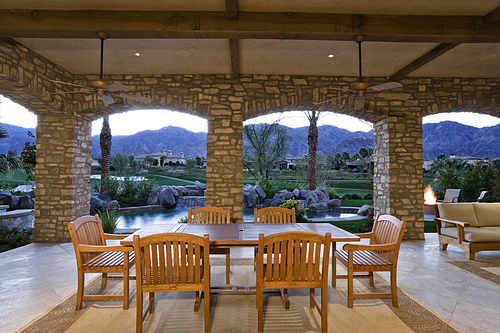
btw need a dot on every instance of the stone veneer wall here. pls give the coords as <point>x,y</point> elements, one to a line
<point>63,131</point>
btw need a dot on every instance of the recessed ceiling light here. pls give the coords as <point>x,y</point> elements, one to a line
<point>331,55</point>
<point>183,54</point>
<point>137,54</point>
<point>489,57</point>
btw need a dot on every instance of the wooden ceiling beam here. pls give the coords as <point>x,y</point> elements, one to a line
<point>493,16</point>
<point>234,48</point>
<point>421,61</point>
<point>231,9</point>
<point>249,25</point>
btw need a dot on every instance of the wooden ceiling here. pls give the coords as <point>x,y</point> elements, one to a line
<point>425,38</point>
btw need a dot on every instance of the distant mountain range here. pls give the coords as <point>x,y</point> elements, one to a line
<point>440,138</point>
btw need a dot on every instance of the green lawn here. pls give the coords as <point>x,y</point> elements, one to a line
<point>18,177</point>
<point>353,226</point>
<point>160,181</point>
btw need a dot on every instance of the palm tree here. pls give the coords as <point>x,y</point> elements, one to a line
<point>312,142</point>
<point>7,162</point>
<point>105,143</point>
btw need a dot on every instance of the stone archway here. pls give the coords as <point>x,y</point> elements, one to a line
<point>63,131</point>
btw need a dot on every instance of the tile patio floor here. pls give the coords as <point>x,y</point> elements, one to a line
<point>36,276</point>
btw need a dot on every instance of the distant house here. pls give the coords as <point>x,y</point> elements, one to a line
<point>165,158</point>
<point>288,163</point>
<point>94,162</point>
<point>470,160</point>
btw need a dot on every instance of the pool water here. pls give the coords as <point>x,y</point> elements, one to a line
<point>141,218</point>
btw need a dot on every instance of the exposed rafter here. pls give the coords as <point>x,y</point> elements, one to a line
<point>493,16</point>
<point>249,25</point>
<point>426,58</point>
<point>234,47</point>
<point>231,9</point>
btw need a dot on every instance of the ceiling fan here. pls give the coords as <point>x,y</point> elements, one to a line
<point>362,89</point>
<point>103,89</point>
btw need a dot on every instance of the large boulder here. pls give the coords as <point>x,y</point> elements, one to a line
<point>166,197</point>
<point>26,202</point>
<point>334,203</point>
<point>363,211</point>
<point>153,197</point>
<point>252,198</point>
<point>12,201</point>
<point>303,194</point>
<point>112,205</point>
<point>4,194</point>
<point>311,198</point>
<point>105,196</point>
<point>193,190</point>
<point>96,204</point>
<point>260,192</point>
<point>277,201</point>
<point>285,194</point>
<point>296,193</point>
<point>201,186</point>
<point>322,195</point>
<point>319,207</point>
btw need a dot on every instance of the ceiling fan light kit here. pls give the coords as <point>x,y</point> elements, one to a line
<point>362,89</point>
<point>105,90</point>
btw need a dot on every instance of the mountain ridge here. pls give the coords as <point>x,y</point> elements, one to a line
<point>446,137</point>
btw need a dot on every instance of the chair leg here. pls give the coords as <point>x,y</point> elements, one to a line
<point>260,309</point>
<point>152,303</point>
<point>207,311</point>
<point>394,289</point>
<point>350,288</point>
<point>138,315</point>
<point>197,302</point>
<point>80,287</point>
<point>104,280</point>
<point>125,290</point>
<point>370,276</point>
<point>312,294</point>
<point>284,298</point>
<point>324,309</point>
<point>334,270</point>
<point>228,266</point>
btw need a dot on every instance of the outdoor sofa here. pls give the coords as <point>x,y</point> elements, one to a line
<point>471,226</point>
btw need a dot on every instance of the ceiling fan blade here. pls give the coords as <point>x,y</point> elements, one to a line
<point>359,102</point>
<point>385,86</point>
<point>391,95</point>
<point>331,99</point>
<point>67,83</point>
<point>346,90</point>
<point>72,92</point>
<point>116,87</point>
<point>106,99</point>
<point>134,97</point>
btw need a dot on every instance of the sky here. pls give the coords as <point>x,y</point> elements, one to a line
<point>131,122</point>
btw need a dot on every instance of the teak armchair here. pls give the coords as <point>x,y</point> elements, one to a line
<point>294,260</point>
<point>274,215</point>
<point>213,215</point>
<point>380,255</point>
<point>94,256</point>
<point>172,262</point>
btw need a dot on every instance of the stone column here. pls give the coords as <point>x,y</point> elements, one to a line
<point>62,191</point>
<point>225,160</point>
<point>398,175</point>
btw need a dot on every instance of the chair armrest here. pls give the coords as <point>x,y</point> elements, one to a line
<point>113,236</point>
<point>99,248</point>
<point>366,247</point>
<point>365,235</point>
<point>463,224</point>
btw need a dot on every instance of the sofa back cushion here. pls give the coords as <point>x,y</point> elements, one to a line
<point>487,214</point>
<point>463,212</point>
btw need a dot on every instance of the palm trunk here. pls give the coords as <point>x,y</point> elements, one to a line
<point>105,143</point>
<point>312,141</point>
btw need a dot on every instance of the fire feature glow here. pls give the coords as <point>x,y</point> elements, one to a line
<point>429,197</point>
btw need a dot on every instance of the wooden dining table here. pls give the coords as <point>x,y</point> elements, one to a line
<point>242,235</point>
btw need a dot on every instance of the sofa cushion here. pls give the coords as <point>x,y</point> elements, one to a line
<point>459,212</point>
<point>487,214</point>
<point>474,234</point>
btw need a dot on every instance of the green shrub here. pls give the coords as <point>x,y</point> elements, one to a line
<point>16,237</point>
<point>369,196</point>
<point>109,220</point>
<point>347,197</point>
<point>183,219</point>
<point>300,211</point>
<point>331,193</point>
<point>355,196</point>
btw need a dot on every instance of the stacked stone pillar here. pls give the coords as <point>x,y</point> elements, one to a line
<point>398,175</point>
<point>225,160</point>
<point>62,191</point>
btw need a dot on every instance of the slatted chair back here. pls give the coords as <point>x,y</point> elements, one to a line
<point>274,215</point>
<point>171,262</point>
<point>388,229</point>
<point>209,215</point>
<point>291,260</point>
<point>86,230</point>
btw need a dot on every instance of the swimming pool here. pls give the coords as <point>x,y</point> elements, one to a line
<point>141,218</point>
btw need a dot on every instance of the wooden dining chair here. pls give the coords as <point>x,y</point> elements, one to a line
<point>294,260</point>
<point>380,255</point>
<point>218,216</point>
<point>94,256</point>
<point>172,262</point>
<point>274,215</point>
